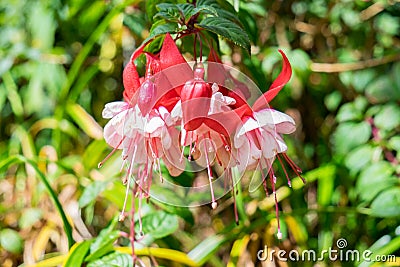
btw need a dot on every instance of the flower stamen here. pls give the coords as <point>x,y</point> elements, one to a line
<point>284,170</point>
<point>272,177</point>
<point>101,163</point>
<point>210,175</point>
<point>294,167</point>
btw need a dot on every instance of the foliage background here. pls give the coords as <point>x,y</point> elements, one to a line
<point>61,61</point>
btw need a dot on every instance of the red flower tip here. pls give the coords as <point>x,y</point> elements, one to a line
<point>280,81</point>
<point>169,54</point>
<point>131,81</point>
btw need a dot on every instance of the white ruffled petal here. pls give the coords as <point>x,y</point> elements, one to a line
<point>248,126</point>
<point>153,125</point>
<point>112,109</point>
<point>271,118</point>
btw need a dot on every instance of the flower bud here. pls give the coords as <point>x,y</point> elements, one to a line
<point>196,97</point>
<point>147,94</point>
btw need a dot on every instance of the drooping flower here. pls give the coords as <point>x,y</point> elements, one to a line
<point>174,107</point>
<point>260,135</point>
<point>257,141</point>
<point>143,126</point>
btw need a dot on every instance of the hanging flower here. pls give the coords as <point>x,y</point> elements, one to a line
<point>174,107</point>
<point>262,131</point>
<point>142,125</point>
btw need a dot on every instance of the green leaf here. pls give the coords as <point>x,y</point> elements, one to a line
<point>159,224</point>
<point>348,112</point>
<point>302,62</point>
<point>332,100</point>
<point>387,203</point>
<point>382,90</point>
<point>206,248</point>
<point>361,103</point>
<point>103,244</point>
<point>160,27</point>
<point>375,178</point>
<point>388,248</point>
<point>12,94</point>
<point>93,153</point>
<point>223,9</point>
<point>182,212</point>
<point>171,202</point>
<point>115,259</point>
<point>114,192</point>
<point>325,172</point>
<point>361,79</point>
<point>187,10</point>
<point>387,24</point>
<point>206,9</point>
<point>349,135</point>
<point>11,241</point>
<point>388,118</point>
<point>169,12</point>
<point>168,196</point>
<point>226,29</point>
<point>77,254</point>
<point>85,121</point>
<point>394,143</point>
<point>91,192</point>
<point>359,157</point>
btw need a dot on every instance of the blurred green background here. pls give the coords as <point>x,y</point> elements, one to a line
<point>61,61</point>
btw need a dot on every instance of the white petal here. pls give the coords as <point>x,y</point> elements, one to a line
<point>113,108</point>
<point>248,126</point>
<point>165,115</point>
<point>268,144</point>
<point>219,103</point>
<point>273,118</point>
<point>153,124</point>
<point>282,147</point>
<point>183,136</point>
<point>111,136</point>
<point>214,88</point>
<point>130,124</point>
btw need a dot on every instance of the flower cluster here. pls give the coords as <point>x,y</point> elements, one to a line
<point>173,115</point>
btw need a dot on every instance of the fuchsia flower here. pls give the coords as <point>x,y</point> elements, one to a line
<point>173,107</point>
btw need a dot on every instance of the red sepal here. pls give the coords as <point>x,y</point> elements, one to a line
<point>280,81</point>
